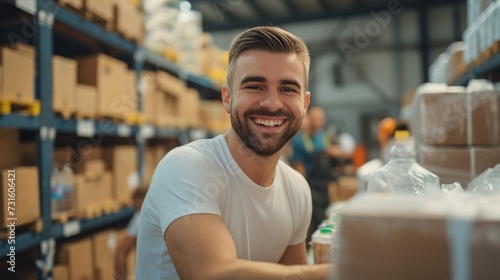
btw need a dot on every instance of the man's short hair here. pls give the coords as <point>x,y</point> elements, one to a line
<point>270,39</point>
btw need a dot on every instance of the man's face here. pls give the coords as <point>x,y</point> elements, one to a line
<point>268,99</point>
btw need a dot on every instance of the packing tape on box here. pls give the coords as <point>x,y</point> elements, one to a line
<point>459,233</point>
<point>470,124</point>
<point>472,155</point>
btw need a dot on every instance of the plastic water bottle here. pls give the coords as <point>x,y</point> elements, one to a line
<point>322,243</point>
<point>402,175</point>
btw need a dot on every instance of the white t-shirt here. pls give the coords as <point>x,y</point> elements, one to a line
<point>202,177</point>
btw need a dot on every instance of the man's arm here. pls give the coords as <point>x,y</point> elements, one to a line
<point>201,247</point>
<point>294,254</point>
<point>122,251</point>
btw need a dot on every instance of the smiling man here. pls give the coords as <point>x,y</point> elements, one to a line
<point>228,208</point>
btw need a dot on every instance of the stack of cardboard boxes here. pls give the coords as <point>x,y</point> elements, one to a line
<point>456,130</point>
<point>91,257</point>
<point>19,183</point>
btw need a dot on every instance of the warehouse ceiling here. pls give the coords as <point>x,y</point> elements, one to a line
<point>220,15</point>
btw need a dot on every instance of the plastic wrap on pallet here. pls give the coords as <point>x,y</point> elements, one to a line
<point>442,237</point>
<point>438,69</point>
<point>458,164</point>
<point>488,182</point>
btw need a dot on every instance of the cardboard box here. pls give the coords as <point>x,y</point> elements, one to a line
<point>9,148</point>
<point>101,8</point>
<point>75,4</point>
<point>189,108</point>
<point>92,191</point>
<point>126,103</point>
<point>63,85</point>
<point>86,98</point>
<point>343,189</point>
<point>451,117</point>
<point>18,74</point>
<point>387,237</point>
<point>107,75</point>
<point>60,272</point>
<point>104,245</point>
<point>26,192</point>
<point>105,272</point>
<point>458,164</point>
<point>77,257</point>
<point>122,160</point>
<point>91,168</point>
<point>128,20</point>
<point>149,90</point>
<point>380,245</point>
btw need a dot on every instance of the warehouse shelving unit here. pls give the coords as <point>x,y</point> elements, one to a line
<point>44,14</point>
<point>490,66</point>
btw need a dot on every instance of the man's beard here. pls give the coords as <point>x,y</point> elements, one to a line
<point>253,141</point>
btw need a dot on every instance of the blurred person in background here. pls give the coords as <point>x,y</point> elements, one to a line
<point>311,156</point>
<point>129,241</point>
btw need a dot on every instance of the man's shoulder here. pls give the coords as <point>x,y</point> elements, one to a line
<point>291,174</point>
<point>203,149</point>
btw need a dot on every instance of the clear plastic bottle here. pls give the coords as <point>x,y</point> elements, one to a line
<point>402,175</point>
<point>322,244</point>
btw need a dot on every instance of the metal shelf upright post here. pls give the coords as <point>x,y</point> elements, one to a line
<point>45,138</point>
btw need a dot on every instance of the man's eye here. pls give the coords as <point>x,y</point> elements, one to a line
<point>252,87</point>
<point>287,89</point>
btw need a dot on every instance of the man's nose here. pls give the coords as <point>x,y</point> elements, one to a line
<point>272,100</point>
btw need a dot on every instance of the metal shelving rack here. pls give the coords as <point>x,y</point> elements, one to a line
<point>490,66</point>
<point>44,14</point>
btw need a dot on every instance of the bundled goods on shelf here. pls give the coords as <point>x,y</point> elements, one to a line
<point>160,18</point>
<point>482,36</point>
<point>17,79</point>
<point>62,198</point>
<point>448,66</point>
<point>214,60</point>
<point>456,129</point>
<point>173,32</point>
<point>128,20</point>
<point>442,235</point>
<point>115,86</point>
<point>213,116</point>
<point>188,41</point>
<point>64,74</point>
<point>168,102</point>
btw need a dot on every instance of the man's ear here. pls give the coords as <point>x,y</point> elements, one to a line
<point>226,98</point>
<point>307,100</point>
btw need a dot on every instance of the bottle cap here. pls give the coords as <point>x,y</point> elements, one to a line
<point>402,134</point>
<point>326,230</point>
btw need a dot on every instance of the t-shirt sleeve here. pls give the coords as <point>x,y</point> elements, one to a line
<point>303,212</point>
<point>184,184</point>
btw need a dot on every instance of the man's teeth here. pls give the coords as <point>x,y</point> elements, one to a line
<point>269,123</point>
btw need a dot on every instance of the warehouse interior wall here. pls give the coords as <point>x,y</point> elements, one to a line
<point>356,80</point>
